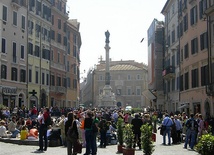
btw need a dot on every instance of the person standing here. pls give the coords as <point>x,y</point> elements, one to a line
<point>178,129</point>
<point>137,123</point>
<point>192,127</point>
<point>90,148</point>
<point>43,129</point>
<point>103,129</point>
<point>71,141</point>
<point>167,122</point>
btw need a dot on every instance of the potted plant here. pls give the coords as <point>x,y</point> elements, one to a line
<point>205,145</point>
<point>128,140</point>
<point>154,119</point>
<point>146,139</point>
<point>120,135</point>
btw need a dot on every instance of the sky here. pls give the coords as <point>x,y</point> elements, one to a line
<point>126,20</point>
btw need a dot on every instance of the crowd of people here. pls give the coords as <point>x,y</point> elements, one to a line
<point>91,125</point>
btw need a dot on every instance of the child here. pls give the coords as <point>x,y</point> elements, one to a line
<point>24,133</point>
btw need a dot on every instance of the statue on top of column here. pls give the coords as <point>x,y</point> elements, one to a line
<point>107,34</point>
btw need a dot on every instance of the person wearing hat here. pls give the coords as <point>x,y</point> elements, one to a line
<point>3,130</point>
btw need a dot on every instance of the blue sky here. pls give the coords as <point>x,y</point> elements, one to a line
<point>127,22</point>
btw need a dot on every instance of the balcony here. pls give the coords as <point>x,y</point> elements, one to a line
<point>210,89</point>
<point>18,3</point>
<point>169,72</point>
<point>58,89</point>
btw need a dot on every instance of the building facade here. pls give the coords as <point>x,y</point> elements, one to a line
<point>13,25</point>
<point>128,79</point>
<point>154,92</point>
<point>193,65</point>
<point>37,54</point>
<point>171,67</point>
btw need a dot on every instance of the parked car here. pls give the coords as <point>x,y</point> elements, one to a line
<point>128,108</point>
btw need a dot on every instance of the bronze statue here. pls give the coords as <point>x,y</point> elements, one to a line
<point>107,34</point>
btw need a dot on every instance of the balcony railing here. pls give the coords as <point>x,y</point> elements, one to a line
<point>210,89</point>
<point>168,72</point>
<point>18,3</point>
<point>58,89</point>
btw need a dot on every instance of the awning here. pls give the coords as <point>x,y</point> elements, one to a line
<point>148,94</point>
<point>183,106</point>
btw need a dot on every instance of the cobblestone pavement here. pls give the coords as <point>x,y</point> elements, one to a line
<point>14,149</point>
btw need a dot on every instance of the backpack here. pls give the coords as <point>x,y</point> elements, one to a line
<point>48,121</point>
<point>192,124</point>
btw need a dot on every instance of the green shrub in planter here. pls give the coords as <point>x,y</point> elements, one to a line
<point>128,136</point>
<point>146,139</point>
<point>205,145</point>
<point>120,125</point>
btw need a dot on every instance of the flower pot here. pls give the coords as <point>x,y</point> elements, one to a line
<point>120,148</point>
<point>128,151</point>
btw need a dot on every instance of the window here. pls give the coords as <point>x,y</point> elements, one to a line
<point>128,91</point>
<point>59,38</point>
<point>204,75</point>
<point>181,29</point>
<point>65,27</point>
<point>194,46</point>
<point>181,83</point>
<point>14,74</point>
<point>59,23</point>
<point>43,78</point>
<point>14,18</point>
<point>129,77</point>
<point>186,80</point>
<point>68,82</point>
<point>178,57</point>
<point>138,91</point>
<point>186,51</point>
<point>178,83</point>
<point>52,20</point>
<point>75,83</point>
<point>173,36</point>
<point>14,52</point>
<point>68,66</point>
<point>74,51</point>
<point>52,34</point>
<point>37,77</point>
<point>195,78</point>
<point>37,51</point>
<point>22,75</point>
<point>3,46</point>
<point>168,41</point>
<point>203,41</point>
<point>202,8</point>
<point>138,77</point>
<point>58,81</point>
<point>193,15</point>
<point>52,80</point>
<point>22,52</point>
<point>3,72</point>
<point>185,22</point>
<point>68,48</point>
<point>64,82</point>
<point>4,14</point>
<point>47,79</point>
<point>30,48</point>
<point>58,57</point>
<point>30,75</point>
<point>23,22</point>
